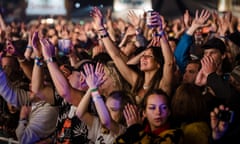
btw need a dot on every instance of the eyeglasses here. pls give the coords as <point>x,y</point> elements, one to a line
<point>147,56</point>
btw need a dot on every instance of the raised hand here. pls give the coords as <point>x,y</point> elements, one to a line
<point>93,78</point>
<point>48,49</point>
<point>89,76</point>
<point>97,18</point>
<point>133,18</point>
<point>99,73</point>
<point>131,115</point>
<point>36,44</point>
<point>219,127</point>
<point>199,21</point>
<point>28,52</point>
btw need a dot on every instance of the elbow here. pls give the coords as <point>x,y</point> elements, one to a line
<point>79,114</point>
<point>106,123</point>
<point>64,92</point>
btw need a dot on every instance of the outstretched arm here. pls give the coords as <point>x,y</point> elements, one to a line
<point>112,50</point>
<point>62,85</point>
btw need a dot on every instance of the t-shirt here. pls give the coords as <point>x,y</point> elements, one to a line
<point>70,129</point>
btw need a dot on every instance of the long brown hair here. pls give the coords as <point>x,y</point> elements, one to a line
<point>158,56</point>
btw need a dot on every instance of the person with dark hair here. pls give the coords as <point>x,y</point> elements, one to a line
<point>191,71</point>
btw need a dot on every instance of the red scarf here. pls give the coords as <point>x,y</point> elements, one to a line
<point>158,130</point>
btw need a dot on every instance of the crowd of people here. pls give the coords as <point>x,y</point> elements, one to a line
<point>142,80</point>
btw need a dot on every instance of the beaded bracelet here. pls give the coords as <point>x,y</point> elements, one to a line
<point>104,35</point>
<point>39,61</point>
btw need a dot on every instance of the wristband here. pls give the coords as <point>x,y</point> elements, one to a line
<point>94,89</point>
<point>21,60</point>
<point>159,34</point>
<point>39,61</point>
<point>29,47</point>
<point>104,35</point>
<point>96,98</point>
<point>102,29</point>
<point>50,60</point>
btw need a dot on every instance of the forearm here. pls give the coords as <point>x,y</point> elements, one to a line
<point>27,67</point>
<point>83,105</point>
<point>24,135</point>
<point>37,78</point>
<point>101,108</point>
<point>111,30</point>
<point>181,52</point>
<point>60,82</point>
<point>141,40</point>
<point>123,41</point>
<point>166,50</point>
<point>2,23</point>
<point>12,95</point>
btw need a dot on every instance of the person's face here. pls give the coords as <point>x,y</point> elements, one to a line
<point>108,82</point>
<point>52,35</point>
<point>114,106</point>
<point>8,65</point>
<point>157,111</point>
<point>147,61</point>
<point>215,54</point>
<point>77,81</point>
<point>191,72</point>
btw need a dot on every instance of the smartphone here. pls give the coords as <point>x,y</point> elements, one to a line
<point>149,21</point>
<point>226,116</point>
<point>64,46</point>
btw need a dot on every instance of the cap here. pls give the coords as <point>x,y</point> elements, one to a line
<point>215,43</point>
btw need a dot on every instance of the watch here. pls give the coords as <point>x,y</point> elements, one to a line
<point>51,59</point>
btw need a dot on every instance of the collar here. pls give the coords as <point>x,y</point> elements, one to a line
<point>158,130</point>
